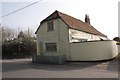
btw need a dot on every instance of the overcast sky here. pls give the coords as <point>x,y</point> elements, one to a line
<point>103,13</point>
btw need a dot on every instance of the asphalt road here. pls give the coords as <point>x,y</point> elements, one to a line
<point>24,68</point>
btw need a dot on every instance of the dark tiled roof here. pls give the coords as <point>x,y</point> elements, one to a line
<point>73,23</point>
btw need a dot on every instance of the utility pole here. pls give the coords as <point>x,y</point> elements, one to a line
<point>3,34</point>
<point>28,32</point>
<point>18,45</point>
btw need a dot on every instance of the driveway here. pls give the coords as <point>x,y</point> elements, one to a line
<point>24,68</point>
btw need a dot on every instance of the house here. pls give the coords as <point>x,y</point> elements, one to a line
<point>59,30</point>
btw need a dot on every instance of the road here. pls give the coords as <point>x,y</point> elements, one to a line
<point>24,68</point>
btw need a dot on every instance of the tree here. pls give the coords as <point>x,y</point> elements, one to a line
<point>116,39</point>
<point>7,34</point>
<point>29,32</point>
<point>21,46</point>
<point>28,43</point>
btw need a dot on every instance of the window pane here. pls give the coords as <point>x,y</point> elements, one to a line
<point>50,26</point>
<point>51,47</point>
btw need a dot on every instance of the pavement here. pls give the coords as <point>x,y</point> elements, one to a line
<point>24,68</point>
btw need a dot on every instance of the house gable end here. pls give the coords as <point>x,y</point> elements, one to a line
<point>51,17</point>
<point>54,15</point>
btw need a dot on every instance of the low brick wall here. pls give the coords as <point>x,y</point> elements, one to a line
<point>57,59</point>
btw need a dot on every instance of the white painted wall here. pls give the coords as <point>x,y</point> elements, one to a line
<point>60,36</point>
<point>91,51</point>
<point>80,34</point>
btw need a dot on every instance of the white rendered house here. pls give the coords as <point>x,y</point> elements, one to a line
<point>56,33</point>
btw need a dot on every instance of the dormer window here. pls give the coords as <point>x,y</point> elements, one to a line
<point>50,26</point>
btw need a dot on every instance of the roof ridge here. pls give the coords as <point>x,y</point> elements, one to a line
<point>68,15</point>
<point>98,32</point>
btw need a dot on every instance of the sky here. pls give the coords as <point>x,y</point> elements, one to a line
<point>103,13</point>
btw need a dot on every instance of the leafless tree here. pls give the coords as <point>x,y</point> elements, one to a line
<point>29,32</point>
<point>7,34</point>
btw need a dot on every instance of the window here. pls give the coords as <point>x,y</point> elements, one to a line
<point>50,26</point>
<point>75,39</point>
<point>82,40</point>
<point>51,47</point>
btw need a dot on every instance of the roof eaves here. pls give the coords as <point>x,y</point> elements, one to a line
<point>37,29</point>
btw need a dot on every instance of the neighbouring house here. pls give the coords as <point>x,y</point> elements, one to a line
<point>56,33</point>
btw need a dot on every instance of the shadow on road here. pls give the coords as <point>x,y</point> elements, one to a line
<point>113,65</point>
<point>27,64</point>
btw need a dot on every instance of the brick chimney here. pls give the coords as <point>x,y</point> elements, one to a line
<point>87,19</point>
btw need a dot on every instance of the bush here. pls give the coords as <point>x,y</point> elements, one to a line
<point>16,49</point>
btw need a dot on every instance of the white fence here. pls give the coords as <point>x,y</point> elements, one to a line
<point>92,51</point>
